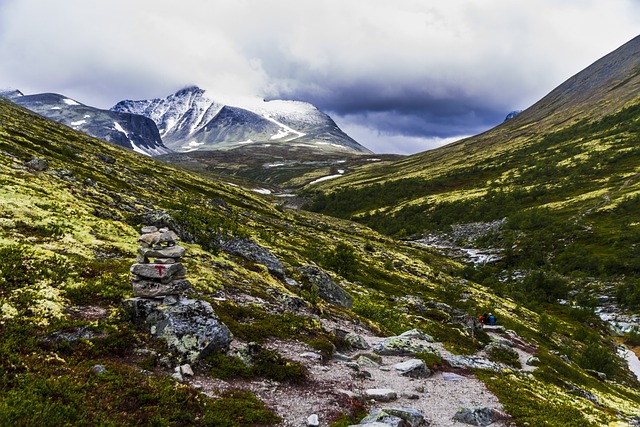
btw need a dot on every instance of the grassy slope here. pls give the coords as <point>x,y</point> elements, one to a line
<point>68,236</point>
<point>565,173</point>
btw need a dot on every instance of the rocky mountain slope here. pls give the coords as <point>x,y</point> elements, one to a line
<point>135,132</point>
<point>316,306</point>
<point>191,120</point>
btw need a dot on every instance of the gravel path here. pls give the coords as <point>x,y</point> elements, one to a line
<point>333,385</point>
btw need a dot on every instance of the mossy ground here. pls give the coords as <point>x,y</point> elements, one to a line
<point>68,236</point>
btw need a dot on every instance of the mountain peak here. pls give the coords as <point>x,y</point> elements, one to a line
<point>190,120</point>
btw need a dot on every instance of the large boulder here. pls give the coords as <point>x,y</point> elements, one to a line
<point>190,327</point>
<point>250,250</point>
<point>327,288</point>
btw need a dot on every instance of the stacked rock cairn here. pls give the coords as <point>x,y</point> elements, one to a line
<point>164,277</point>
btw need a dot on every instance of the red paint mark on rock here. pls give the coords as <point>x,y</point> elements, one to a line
<point>160,269</point>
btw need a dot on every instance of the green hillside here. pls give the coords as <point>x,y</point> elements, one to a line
<point>71,208</point>
<point>564,176</point>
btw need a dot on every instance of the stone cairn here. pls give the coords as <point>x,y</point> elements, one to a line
<point>164,277</point>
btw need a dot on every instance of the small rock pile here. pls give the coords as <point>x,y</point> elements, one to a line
<point>165,276</point>
<point>190,327</point>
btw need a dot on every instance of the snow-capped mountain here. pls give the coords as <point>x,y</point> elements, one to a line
<point>132,131</point>
<point>191,120</point>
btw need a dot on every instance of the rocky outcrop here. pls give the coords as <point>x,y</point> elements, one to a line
<point>327,288</point>
<point>250,250</point>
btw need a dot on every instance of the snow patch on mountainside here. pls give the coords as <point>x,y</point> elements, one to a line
<point>192,114</point>
<point>70,101</point>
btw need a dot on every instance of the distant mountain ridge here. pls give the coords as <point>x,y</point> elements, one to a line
<point>132,131</point>
<point>191,120</point>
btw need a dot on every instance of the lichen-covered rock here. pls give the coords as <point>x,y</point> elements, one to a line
<point>471,362</point>
<point>399,346</point>
<point>250,250</point>
<point>327,288</point>
<point>482,416</point>
<point>38,164</point>
<point>190,327</point>
<point>417,334</point>
<point>356,341</point>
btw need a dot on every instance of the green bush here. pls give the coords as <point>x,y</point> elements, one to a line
<point>343,260</point>
<point>265,363</point>
<point>598,358</point>
<point>238,408</point>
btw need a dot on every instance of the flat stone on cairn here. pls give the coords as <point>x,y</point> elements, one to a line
<point>165,276</point>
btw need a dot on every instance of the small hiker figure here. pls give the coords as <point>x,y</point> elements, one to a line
<point>492,319</point>
<point>481,320</point>
<point>485,319</point>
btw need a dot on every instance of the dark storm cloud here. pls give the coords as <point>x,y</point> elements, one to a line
<point>399,76</point>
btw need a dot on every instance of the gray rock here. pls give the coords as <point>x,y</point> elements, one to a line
<point>158,271</point>
<point>159,237</point>
<point>471,362</point>
<point>177,376</point>
<point>381,394</point>
<point>168,252</point>
<point>401,417</point>
<point>313,421</point>
<point>481,416</point>
<point>365,362</point>
<point>72,335</point>
<point>341,357</point>
<point>186,370</point>
<point>356,341</point>
<point>450,376</point>
<point>105,158</point>
<point>417,334</point>
<point>311,355</point>
<point>327,288</point>
<point>150,289</point>
<point>411,417</point>
<point>148,229</point>
<point>98,369</point>
<point>248,249</point>
<point>139,309</point>
<point>399,346</point>
<point>374,424</point>
<point>532,361</point>
<point>38,164</point>
<point>379,417</point>
<point>414,368</point>
<point>190,327</point>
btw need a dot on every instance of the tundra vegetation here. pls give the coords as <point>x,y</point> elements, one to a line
<point>70,210</point>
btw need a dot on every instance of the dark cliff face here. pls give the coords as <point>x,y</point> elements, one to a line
<point>132,131</point>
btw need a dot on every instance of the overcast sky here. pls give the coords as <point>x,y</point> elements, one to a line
<point>399,76</point>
